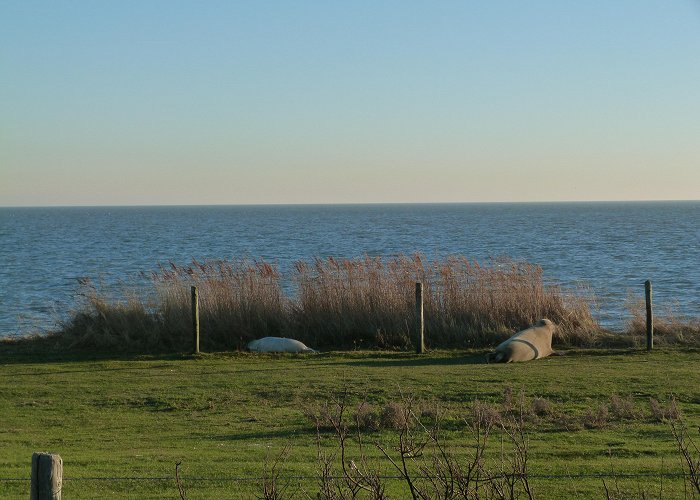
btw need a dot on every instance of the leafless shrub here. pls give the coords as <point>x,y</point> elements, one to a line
<point>515,477</point>
<point>322,416</point>
<point>614,492</point>
<point>429,469</point>
<point>272,488</point>
<point>690,454</point>
<point>421,458</point>
<point>357,475</point>
<point>449,477</point>
<point>329,486</point>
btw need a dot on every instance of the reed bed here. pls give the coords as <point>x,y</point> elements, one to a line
<point>333,303</point>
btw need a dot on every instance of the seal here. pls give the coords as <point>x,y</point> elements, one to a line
<point>532,343</point>
<point>278,344</point>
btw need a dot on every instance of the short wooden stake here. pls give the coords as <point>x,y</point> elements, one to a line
<point>195,318</point>
<point>650,316</point>
<point>420,321</point>
<point>47,477</point>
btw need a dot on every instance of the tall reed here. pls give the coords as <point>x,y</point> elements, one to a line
<point>105,323</point>
<point>336,303</point>
<point>240,300</point>
<point>371,301</point>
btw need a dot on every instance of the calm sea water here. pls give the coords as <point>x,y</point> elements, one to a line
<point>611,247</point>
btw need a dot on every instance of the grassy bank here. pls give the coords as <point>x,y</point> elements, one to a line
<point>227,417</point>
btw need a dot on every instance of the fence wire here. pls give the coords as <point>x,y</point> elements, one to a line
<point>591,475</point>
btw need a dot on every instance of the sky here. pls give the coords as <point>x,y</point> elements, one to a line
<point>154,102</point>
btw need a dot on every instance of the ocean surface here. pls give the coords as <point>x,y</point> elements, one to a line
<point>612,248</point>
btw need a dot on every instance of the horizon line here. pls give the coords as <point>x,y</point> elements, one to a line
<point>320,204</point>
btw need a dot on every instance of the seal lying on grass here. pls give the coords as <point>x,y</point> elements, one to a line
<point>278,344</point>
<point>533,343</point>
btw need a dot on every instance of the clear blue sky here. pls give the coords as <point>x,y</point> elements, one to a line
<point>175,102</point>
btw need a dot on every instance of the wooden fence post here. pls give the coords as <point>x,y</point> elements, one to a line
<point>47,477</point>
<point>650,316</point>
<point>420,323</point>
<point>195,318</point>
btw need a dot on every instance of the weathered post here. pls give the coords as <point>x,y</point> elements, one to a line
<point>650,316</point>
<point>420,324</point>
<point>47,477</point>
<point>195,318</point>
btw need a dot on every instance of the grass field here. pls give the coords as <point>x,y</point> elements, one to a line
<point>122,424</point>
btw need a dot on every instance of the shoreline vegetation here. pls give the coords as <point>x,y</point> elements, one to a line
<point>347,304</point>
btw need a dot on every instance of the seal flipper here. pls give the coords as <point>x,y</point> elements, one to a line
<point>494,357</point>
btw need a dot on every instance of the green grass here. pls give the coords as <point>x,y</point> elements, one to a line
<point>230,415</point>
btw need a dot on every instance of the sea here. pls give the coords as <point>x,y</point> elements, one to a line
<point>606,249</point>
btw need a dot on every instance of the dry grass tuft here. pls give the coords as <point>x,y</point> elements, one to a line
<point>623,408</point>
<point>105,325</point>
<point>670,328</point>
<point>484,414</point>
<point>541,407</point>
<point>662,413</point>
<point>597,417</point>
<point>367,417</point>
<point>396,416</point>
